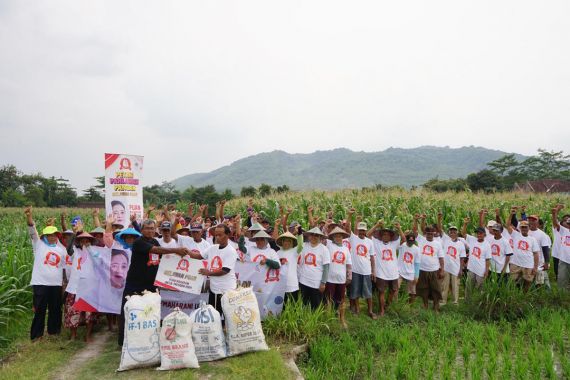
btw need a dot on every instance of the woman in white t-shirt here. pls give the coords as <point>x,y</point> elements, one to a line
<point>291,247</point>
<point>340,271</point>
<point>313,269</point>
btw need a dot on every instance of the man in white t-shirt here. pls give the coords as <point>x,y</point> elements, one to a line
<point>479,258</point>
<point>313,269</point>
<point>544,243</point>
<point>363,266</point>
<point>340,272</point>
<point>561,231</point>
<point>386,262</point>
<point>455,255</point>
<point>501,252</point>
<point>47,278</point>
<point>431,268</point>
<point>222,259</point>
<point>409,258</point>
<point>524,263</point>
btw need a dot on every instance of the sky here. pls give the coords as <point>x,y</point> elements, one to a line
<point>195,85</point>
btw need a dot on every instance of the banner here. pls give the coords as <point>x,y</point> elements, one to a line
<point>268,285</point>
<point>101,280</point>
<point>187,302</point>
<point>123,187</point>
<point>180,273</point>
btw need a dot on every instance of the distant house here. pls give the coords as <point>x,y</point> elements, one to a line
<point>544,186</point>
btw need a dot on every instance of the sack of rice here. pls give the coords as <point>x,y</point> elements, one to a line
<point>142,327</point>
<point>176,346</point>
<point>243,322</point>
<point>207,333</point>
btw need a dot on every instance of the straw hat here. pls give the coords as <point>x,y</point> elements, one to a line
<point>286,235</point>
<point>85,235</point>
<point>315,231</point>
<point>339,231</point>
<point>97,230</point>
<point>261,235</point>
<point>256,227</point>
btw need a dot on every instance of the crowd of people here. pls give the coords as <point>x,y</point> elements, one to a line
<point>328,260</point>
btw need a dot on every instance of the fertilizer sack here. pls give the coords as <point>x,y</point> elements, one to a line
<point>142,327</point>
<point>207,333</point>
<point>243,322</point>
<point>176,346</point>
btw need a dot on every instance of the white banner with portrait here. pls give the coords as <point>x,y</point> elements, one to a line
<point>123,187</point>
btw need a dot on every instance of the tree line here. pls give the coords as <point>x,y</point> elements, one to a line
<point>503,173</point>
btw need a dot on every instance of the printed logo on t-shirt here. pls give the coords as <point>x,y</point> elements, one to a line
<point>52,259</point>
<point>183,265</point>
<point>68,261</point>
<point>361,250</point>
<point>512,243</point>
<point>338,257</point>
<point>387,255</point>
<point>153,259</point>
<point>452,251</point>
<point>567,240</point>
<point>299,260</point>
<point>523,245</point>
<point>311,259</point>
<point>346,243</point>
<point>495,250</point>
<point>216,263</point>
<point>477,252</point>
<point>272,275</point>
<point>428,250</point>
<point>79,262</point>
<point>258,257</point>
<point>408,257</point>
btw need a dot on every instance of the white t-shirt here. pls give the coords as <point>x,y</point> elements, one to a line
<point>218,259</point>
<point>523,251</point>
<point>563,244</point>
<point>556,243</point>
<point>454,252</point>
<point>171,244</point>
<point>361,251</point>
<point>508,236</point>
<point>48,262</point>
<point>339,258</point>
<point>386,259</point>
<point>543,240</point>
<point>479,253</point>
<point>79,256</point>
<point>192,245</point>
<point>500,249</point>
<point>290,257</point>
<point>256,255</point>
<point>407,258</point>
<point>431,252</point>
<point>312,261</point>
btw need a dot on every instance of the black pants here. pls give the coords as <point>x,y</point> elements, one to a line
<point>129,291</point>
<point>290,297</point>
<point>216,301</point>
<point>555,261</point>
<point>311,296</point>
<point>46,299</point>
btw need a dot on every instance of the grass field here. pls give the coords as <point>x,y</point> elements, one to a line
<point>500,333</point>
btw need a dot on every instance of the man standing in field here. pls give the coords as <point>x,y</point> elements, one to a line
<point>47,278</point>
<point>544,243</point>
<point>455,254</point>
<point>431,267</point>
<point>363,265</point>
<point>479,258</point>
<point>524,263</point>
<point>561,232</point>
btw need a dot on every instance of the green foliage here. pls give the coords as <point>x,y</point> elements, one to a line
<point>443,185</point>
<point>248,192</point>
<point>299,324</point>
<point>484,180</point>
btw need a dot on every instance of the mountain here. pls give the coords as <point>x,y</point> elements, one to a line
<point>342,168</point>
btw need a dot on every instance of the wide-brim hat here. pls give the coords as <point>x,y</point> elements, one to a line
<point>68,232</point>
<point>97,230</point>
<point>128,231</point>
<point>315,231</point>
<point>256,227</point>
<point>338,231</point>
<point>85,235</point>
<point>51,230</point>
<point>261,235</point>
<point>286,235</point>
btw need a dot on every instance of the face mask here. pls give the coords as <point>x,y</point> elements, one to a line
<point>45,240</point>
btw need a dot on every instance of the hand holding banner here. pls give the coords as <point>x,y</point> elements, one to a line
<point>180,273</point>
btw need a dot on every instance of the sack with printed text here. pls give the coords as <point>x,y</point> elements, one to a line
<point>176,346</point>
<point>207,333</point>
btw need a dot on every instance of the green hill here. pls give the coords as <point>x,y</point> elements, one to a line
<point>343,168</point>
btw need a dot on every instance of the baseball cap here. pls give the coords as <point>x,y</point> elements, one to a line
<point>361,226</point>
<point>166,225</point>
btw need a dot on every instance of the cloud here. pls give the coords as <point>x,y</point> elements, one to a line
<point>196,85</point>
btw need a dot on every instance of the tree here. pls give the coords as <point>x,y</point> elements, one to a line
<point>547,165</point>
<point>442,185</point>
<point>248,192</point>
<point>485,180</point>
<point>504,165</point>
<point>282,189</point>
<point>264,190</point>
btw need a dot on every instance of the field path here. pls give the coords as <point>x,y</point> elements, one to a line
<point>90,351</point>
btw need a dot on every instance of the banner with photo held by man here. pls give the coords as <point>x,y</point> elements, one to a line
<point>123,187</point>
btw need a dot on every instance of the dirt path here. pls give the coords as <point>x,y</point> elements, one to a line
<point>81,358</point>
